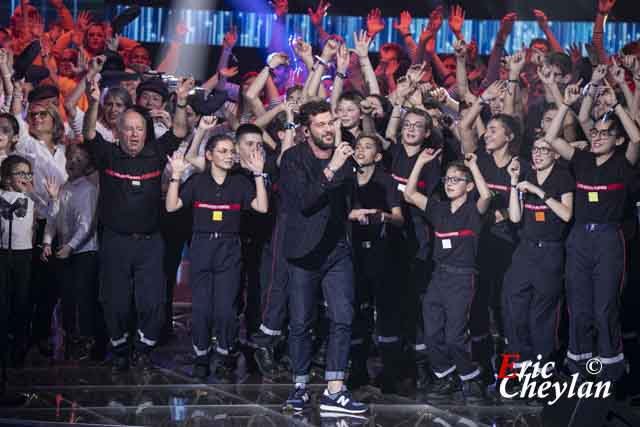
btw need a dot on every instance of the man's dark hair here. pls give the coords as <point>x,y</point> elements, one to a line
<point>247,128</point>
<point>312,108</point>
<point>432,104</point>
<point>278,124</point>
<point>375,138</point>
<point>548,106</point>
<point>512,127</point>
<point>8,166</point>
<point>562,61</point>
<point>212,143</point>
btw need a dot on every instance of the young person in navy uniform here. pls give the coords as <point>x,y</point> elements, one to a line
<point>218,198</point>
<point>445,307</point>
<point>129,209</point>
<point>411,251</point>
<point>376,216</point>
<point>542,205</point>
<point>317,180</point>
<point>595,268</point>
<point>498,238</point>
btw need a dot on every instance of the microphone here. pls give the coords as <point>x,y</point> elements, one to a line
<point>357,167</point>
<point>521,196</point>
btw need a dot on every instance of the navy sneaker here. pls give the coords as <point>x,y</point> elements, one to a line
<point>342,403</point>
<point>297,400</point>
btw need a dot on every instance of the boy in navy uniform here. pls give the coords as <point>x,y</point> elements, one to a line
<point>543,205</point>
<point>129,208</point>
<point>595,246</point>
<point>376,216</point>
<point>218,198</point>
<point>445,307</point>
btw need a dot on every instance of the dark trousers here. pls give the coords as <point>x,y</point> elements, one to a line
<point>251,286</point>
<point>595,277</point>
<point>333,273</point>
<point>274,277</point>
<point>14,297</point>
<point>495,250</point>
<point>45,288</point>
<point>131,266</point>
<point>531,299</point>
<point>216,265</point>
<point>445,308</point>
<point>79,279</point>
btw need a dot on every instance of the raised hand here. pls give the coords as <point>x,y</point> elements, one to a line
<point>280,7</point>
<point>543,21</point>
<point>617,72</point>
<point>375,24</point>
<point>320,12</point>
<point>230,38</point>
<point>93,89</point>
<point>161,116</point>
<point>435,19</point>
<point>428,155</point>
<point>277,59</point>
<point>207,123</point>
<point>178,164</point>
<point>470,160</point>
<point>113,42</point>
<point>415,73</point>
<point>514,169</point>
<point>255,162</point>
<point>362,43</point>
<point>342,59</point>
<point>460,49</point>
<point>366,107</point>
<point>95,65</point>
<point>496,90</point>
<point>575,52</point>
<point>340,155</point>
<point>545,73</point>
<point>517,62</point>
<point>506,25</point>
<point>572,93</point>
<point>52,186</point>
<point>83,21</point>
<point>37,26</point>
<point>182,29</point>
<point>439,94</point>
<point>605,6</point>
<point>330,49</point>
<point>592,51</point>
<point>228,72</point>
<point>185,86</point>
<point>456,19</point>
<point>404,24</point>
<point>631,63</point>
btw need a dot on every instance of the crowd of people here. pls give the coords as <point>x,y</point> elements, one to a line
<point>434,209</point>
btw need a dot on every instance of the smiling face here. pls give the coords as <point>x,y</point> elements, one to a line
<point>348,113</point>
<point>456,183</point>
<point>221,156</point>
<point>150,100</point>
<point>496,136</point>
<point>39,119</point>
<point>414,129</point>
<point>542,155</point>
<point>66,63</point>
<point>604,138</point>
<point>21,178</point>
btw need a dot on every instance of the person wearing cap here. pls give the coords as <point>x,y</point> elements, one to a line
<point>153,94</point>
<point>132,248</point>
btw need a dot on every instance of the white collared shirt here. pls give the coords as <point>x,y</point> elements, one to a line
<point>78,121</point>
<point>22,227</point>
<point>43,163</point>
<point>75,221</point>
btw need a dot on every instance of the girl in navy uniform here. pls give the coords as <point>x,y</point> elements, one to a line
<point>218,198</point>
<point>376,216</point>
<point>595,246</point>
<point>445,307</point>
<point>543,205</point>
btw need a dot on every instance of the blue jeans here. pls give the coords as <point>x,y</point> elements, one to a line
<point>335,277</point>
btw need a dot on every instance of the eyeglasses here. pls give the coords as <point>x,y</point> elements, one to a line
<point>455,180</point>
<point>541,150</point>
<point>595,133</point>
<point>25,175</point>
<point>416,126</point>
<point>38,114</point>
<point>6,130</point>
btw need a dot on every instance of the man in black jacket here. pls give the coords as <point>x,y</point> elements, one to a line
<point>317,179</point>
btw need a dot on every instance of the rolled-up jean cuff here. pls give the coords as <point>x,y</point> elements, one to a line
<point>301,379</point>
<point>334,375</point>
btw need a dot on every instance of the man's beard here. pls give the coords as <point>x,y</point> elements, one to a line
<point>319,142</point>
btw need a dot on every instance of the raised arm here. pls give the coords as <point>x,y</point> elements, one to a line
<point>180,125</point>
<point>317,71</point>
<point>543,23</point>
<point>618,74</point>
<point>289,132</point>
<point>362,42</point>
<point>562,147</point>
<point>207,123</point>
<point>471,161</point>
<point>411,193</point>
<point>255,163</point>
<point>516,63</point>
<point>515,206</point>
<point>342,62</point>
<point>317,16</point>
<point>456,21</point>
<point>460,49</point>
<point>172,57</point>
<point>604,7</point>
<point>178,165</point>
<point>403,26</point>
<point>91,115</point>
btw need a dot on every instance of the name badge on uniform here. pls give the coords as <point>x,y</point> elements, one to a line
<point>216,216</point>
<point>136,183</point>
<point>593,197</point>
<point>446,244</point>
<point>539,216</point>
<point>402,187</point>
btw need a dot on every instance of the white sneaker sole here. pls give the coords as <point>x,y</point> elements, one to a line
<point>332,408</point>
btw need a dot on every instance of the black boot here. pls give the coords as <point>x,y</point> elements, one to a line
<point>443,388</point>
<point>474,390</point>
<point>120,359</point>
<point>225,369</point>
<point>267,364</point>
<point>390,354</point>
<point>358,372</point>
<point>262,340</point>
<point>201,370</point>
<point>424,376</point>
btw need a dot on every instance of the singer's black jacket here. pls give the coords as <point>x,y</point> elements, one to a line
<point>313,205</point>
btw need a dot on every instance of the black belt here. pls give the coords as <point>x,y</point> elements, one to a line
<point>543,243</point>
<point>215,235</point>
<point>593,227</point>
<point>455,270</point>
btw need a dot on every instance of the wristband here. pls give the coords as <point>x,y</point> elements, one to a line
<point>546,197</point>
<point>322,61</point>
<point>613,108</point>
<point>343,76</point>
<point>181,105</point>
<point>514,81</point>
<point>331,170</point>
<point>172,179</point>
<point>514,186</point>
<point>290,125</point>
<point>259,175</point>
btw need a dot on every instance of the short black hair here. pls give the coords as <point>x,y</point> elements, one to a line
<point>8,165</point>
<point>616,124</point>
<point>212,143</point>
<point>313,108</point>
<point>432,104</point>
<point>375,138</point>
<point>562,61</point>
<point>278,124</point>
<point>548,106</point>
<point>421,113</point>
<point>246,129</point>
<point>351,95</point>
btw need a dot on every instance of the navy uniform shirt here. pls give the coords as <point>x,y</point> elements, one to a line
<point>601,191</point>
<point>539,222</point>
<point>218,208</point>
<point>130,199</point>
<point>401,167</point>
<point>379,193</point>
<point>456,234</point>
